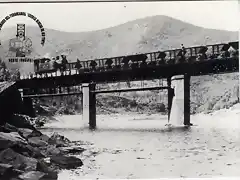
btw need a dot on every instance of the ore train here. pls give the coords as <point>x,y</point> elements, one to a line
<point>193,54</point>
<point>47,65</point>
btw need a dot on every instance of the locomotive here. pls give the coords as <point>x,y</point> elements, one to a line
<point>47,65</point>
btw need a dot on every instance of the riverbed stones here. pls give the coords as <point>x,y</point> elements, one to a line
<point>21,121</point>
<point>5,169</point>
<point>9,139</point>
<point>37,142</point>
<point>36,175</point>
<point>17,160</point>
<point>35,133</point>
<point>50,150</point>
<point>28,150</point>
<point>8,172</point>
<point>22,154</point>
<point>42,166</point>
<point>66,162</point>
<point>10,128</point>
<point>32,175</point>
<point>58,140</point>
<point>72,150</point>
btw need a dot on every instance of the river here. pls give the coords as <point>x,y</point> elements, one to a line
<point>141,146</point>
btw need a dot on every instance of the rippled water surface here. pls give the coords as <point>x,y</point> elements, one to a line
<point>141,146</point>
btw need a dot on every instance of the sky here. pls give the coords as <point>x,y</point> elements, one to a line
<point>78,17</point>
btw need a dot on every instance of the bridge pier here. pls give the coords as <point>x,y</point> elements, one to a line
<point>187,99</point>
<point>182,95</point>
<point>170,96</point>
<point>89,104</point>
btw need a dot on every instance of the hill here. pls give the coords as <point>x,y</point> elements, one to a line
<point>138,36</point>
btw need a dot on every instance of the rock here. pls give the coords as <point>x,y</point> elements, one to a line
<point>35,152</point>
<point>24,132</point>
<point>17,160</point>
<point>71,150</point>
<point>16,178</point>
<point>65,162</point>
<point>9,139</point>
<point>13,136</point>
<point>32,175</point>
<point>58,140</point>
<point>11,127</point>
<point>33,136</point>
<point>44,167</point>
<point>50,150</point>
<point>35,133</point>
<point>4,129</point>
<point>21,121</point>
<point>7,172</point>
<point>44,138</point>
<point>28,150</point>
<point>37,142</point>
<point>7,128</point>
<point>4,168</point>
<point>36,175</point>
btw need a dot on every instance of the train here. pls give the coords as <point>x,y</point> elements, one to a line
<point>47,65</point>
<point>44,65</point>
<point>192,54</point>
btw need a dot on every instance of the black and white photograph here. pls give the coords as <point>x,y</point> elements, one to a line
<point>119,89</point>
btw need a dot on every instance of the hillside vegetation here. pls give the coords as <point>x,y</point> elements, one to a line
<point>139,36</point>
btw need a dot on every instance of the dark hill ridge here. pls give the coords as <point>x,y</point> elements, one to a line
<point>139,36</point>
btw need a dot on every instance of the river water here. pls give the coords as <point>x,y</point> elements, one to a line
<point>141,146</point>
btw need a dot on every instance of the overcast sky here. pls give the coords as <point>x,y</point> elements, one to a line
<point>76,17</point>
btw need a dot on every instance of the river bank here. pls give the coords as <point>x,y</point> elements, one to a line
<point>140,146</point>
<point>28,154</point>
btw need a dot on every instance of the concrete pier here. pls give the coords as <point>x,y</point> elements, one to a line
<point>89,104</point>
<point>187,99</point>
<point>170,97</point>
<point>181,85</point>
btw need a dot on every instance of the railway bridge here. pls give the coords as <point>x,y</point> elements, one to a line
<point>184,63</point>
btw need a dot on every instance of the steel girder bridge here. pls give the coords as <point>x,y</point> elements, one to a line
<point>187,62</point>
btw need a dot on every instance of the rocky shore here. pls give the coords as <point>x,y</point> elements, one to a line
<point>28,154</point>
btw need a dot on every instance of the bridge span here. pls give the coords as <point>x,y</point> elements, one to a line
<point>192,61</point>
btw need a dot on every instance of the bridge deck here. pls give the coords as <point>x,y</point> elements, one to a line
<point>194,61</point>
<point>214,66</point>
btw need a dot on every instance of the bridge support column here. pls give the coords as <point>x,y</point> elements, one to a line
<point>92,106</point>
<point>187,100</point>
<point>170,97</point>
<point>89,104</point>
